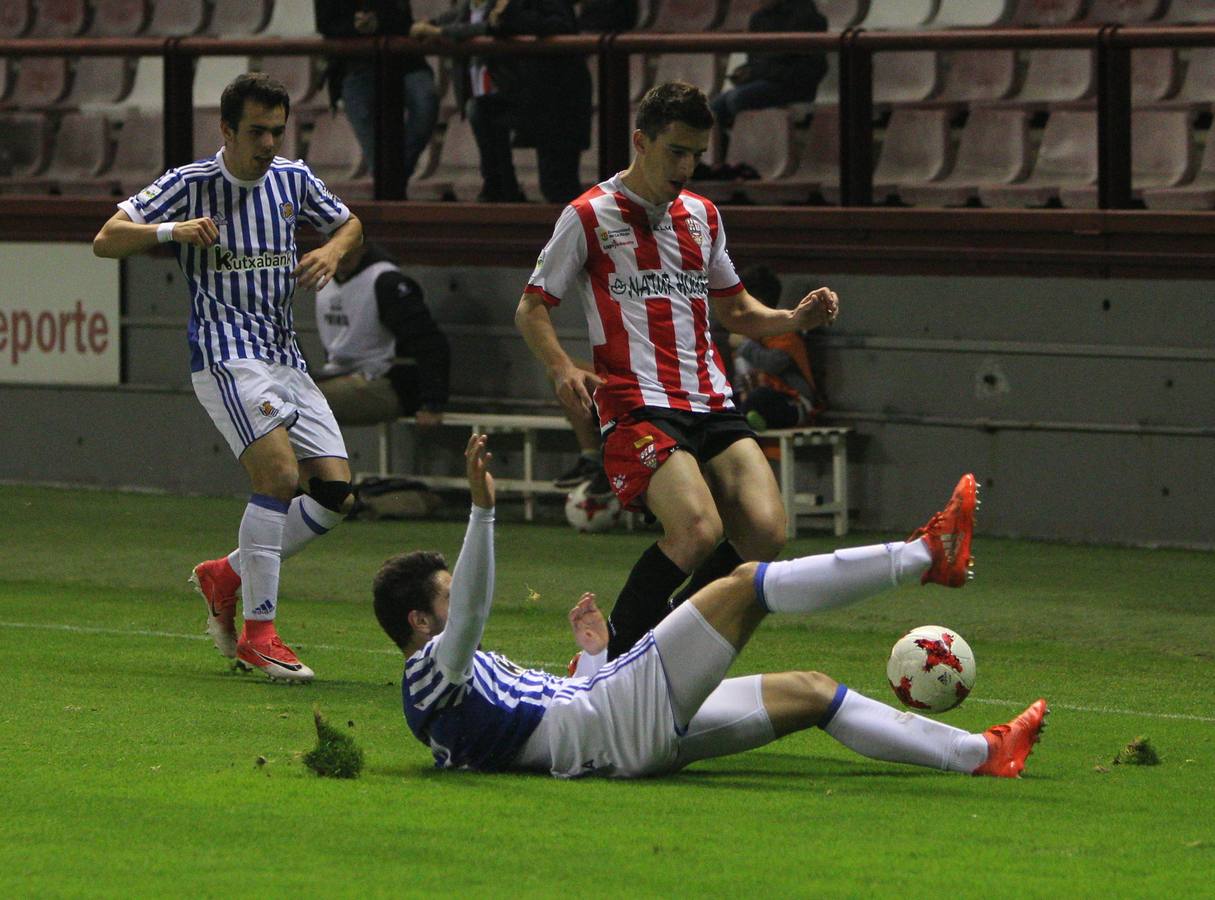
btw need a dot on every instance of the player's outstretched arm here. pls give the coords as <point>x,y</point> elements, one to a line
<point>574,386</point>
<point>119,237</point>
<point>316,267</point>
<point>743,314</point>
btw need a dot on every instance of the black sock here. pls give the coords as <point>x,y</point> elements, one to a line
<point>721,562</point>
<point>643,600</point>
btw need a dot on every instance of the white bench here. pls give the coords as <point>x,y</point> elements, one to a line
<point>790,440</point>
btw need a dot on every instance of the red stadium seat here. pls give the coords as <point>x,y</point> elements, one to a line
<point>915,148</point>
<point>40,82</point>
<point>175,18</point>
<point>972,13</point>
<point>100,80</point>
<point>841,14</point>
<point>994,149</point>
<point>25,150</point>
<point>909,76</point>
<point>978,75</point>
<point>1189,12</point>
<point>1067,157</point>
<point>701,69</point>
<point>119,18</point>
<point>1196,194</point>
<point>1123,12</point>
<point>761,139</point>
<point>139,156</point>
<point>239,17</point>
<point>1048,12</point>
<point>898,15</point>
<point>1162,155</point>
<point>59,18</point>
<point>739,12</point>
<point>83,151</point>
<point>1057,76</point>
<point>16,17</point>
<point>685,15</point>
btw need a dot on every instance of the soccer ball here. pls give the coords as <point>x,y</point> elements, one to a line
<point>591,514</point>
<point>931,669</point>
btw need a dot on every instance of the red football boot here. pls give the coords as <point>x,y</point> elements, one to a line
<point>218,583</point>
<point>260,647</point>
<point>948,535</point>
<point>1009,745</point>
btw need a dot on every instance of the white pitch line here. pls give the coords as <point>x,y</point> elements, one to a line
<point>88,629</point>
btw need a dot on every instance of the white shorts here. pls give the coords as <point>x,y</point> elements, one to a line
<point>248,398</point>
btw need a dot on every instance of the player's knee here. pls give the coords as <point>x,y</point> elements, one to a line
<point>337,496</point>
<point>815,690</point>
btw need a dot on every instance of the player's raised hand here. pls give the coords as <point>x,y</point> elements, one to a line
<point>576,387</point>
<point>316,267</point>
<point>819,307</point>
<point>480,481</point>
<point>589,625</point>
<point>199,232</point>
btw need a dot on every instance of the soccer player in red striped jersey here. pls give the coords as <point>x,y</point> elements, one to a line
<point>646,259</point>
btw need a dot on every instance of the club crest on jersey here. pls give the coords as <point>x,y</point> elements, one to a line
<point>617,237</point>
<point>696,231</point>
<point>267,409</point>
<point>287,208</point>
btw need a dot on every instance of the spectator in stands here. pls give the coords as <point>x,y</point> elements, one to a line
<point>773,373</point>
<point>544,100</point>
<point>605,16</point>
<point>385,356</point>
<point>774,79</point>
<point>353,78</point>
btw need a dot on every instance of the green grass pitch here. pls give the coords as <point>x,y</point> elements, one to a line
<point>130,751</point>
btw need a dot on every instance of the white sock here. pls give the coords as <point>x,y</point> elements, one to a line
<point>306,519</point>
<point>879,731</point>
<point>814,583</point>
<point>261,555</point>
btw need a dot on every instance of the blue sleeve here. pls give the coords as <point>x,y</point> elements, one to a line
<point>320,206</point>
<point>164,200</point>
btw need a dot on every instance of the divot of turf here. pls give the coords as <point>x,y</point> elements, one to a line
<point>336,755</point>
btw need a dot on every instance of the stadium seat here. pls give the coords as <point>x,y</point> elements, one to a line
<point>100,80</point>
<point>971,13</point>
<point>685,16</point>
<point>905,76</point>
<point>841,14</point>
<point>207,136</point>
<point>334,155</point>
<point>213,73</point>
<point>299,75</point>
<point>82,152</point>
<point>118,18</point>
<point>59,18</point>
<point>25,150</point>
<point>1067,157</point>
<point>1057,76</point>
<point>1045,13</point>
<point>1196,194</point>
<point>978,75</point>
<point>915,148</point>
<point>1123,12</point>
<point>139,156</point>
<point>739,12</point>
<point>701,69</point>
<point>527,173</point>
<point>427,9</point>
<point>458,161</point>
<point>40,82</point>
<point>1154,74</point>
<point>239,17</point>
<point>16,17</point>
<point>6,79</point>
<point>1197,90</point>
<point>176,18</point>
<point>994,149</point>
<point>829,88</point>
<point>147,91</point>
<point>292,18</point>
<point>761,139</point>
<point>1162,156</point>
<point>898,15</point>
<point>1189,12</point>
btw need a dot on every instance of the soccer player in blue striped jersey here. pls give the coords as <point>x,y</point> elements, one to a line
<point>232,219</point>
<point>666,702</point>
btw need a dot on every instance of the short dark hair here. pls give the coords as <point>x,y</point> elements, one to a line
<point>405,583</point>
<point>762,284</point>
<point>256,86</point>
<point>673,101</point>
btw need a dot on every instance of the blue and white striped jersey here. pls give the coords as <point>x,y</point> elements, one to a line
<point>480,723</point>
<point>240,287</point>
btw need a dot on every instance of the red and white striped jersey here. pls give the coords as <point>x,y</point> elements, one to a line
<point>644,275</point>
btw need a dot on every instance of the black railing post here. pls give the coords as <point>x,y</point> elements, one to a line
<point>856,121</point>
<point>389,173</point>
<point>614,92</point>
<point>1113,122</point>
<point>178,89</point>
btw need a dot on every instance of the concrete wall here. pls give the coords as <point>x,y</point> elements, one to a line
<point>1084,406</point>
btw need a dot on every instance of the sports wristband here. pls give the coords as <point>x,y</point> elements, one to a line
<point>164,232</point>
